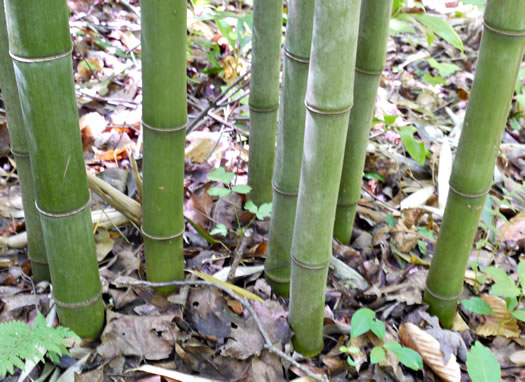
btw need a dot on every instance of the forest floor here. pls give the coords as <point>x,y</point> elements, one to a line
<point>205,332</point>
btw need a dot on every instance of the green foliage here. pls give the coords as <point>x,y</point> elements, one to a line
<point>18,342</point>
<point>445,69</point>
<point>363,321</point>
<point>477,305</point>
<point>415,148</point>
<point>220,175</point>
<point>482,366</point>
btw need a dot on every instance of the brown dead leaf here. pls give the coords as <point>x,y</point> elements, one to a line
<point>151,338</point>
<point>88,67</point>
<point>198,207</point>
<point>514,230</point>
<point>429,349</point>
<point>267,367</point>
<point>92,124</point>
<point>491,326</point>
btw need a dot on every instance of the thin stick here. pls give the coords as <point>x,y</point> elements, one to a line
<point>267,342</point>
<point>247,238</point>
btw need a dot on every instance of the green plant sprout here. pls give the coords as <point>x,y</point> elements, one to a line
<point>363,321</point>
<point>19,341</point>
<point>482,365</point>
<point>220,175</point>
<point>504,286</point>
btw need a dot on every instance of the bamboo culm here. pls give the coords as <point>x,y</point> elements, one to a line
<point>289,150</point>
<point>20,149</point>
<point>264,96</point>
<point>41,47</point>
<point>501,53</point>
<point>370,61</point>
<point>164,124</point>
<point>329,98</point>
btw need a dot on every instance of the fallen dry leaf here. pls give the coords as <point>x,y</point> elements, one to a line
<point>518,358</point>
<point>491,326</point>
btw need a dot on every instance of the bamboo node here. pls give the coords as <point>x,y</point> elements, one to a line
<point>467,195</point>
<point>19,154</point>
<point>442,298</point>
<point>346,204</point>
<point>275,279</point>
<point>300,264</point>
<point>504,32</point>
<point>81,304</point>
<point>64,214</point>
<point>295,58</point>
<point>271,109</point>
<point>168,130</point>
<point>285,193</point>
<point>316,110</point>
<point>41,262</point>
<point>161,238</point>
<point>368,72</point>
<point>41,59</point>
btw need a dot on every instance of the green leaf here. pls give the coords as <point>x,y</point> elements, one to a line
<point>422,246</point>
<point>389,119</point>
<point>242,189</point>
<point>482,366</point>
<point>441,28</point>
<point>512,303</point>
<point>390,220</point>
<point>477,305</point>
<point>521,273</point>
<point>361,321</point>
<point>377,354</point>
<point>265,211</point>
<point>343,349</point>
<point>415,148</point>
<point>251,207</point>
<point>220,192</point>
<point>445,69</point>
<point>398,26</point>
<point>351,362</point>
<point>477,3</point>
<point>220,229</point>
<point>378,328</point>
<point>519,314</point>
<point>353,349</point>
<point>503,285</point>
<point>374,175</point>
<point>219,174</point>
<point>406,356</point>
<point>201,231</point>
<point>433,80</point>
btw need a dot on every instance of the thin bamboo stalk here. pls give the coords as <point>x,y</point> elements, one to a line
<point>264,96</point>
<point>370,61</point>
<point>41,50</point>
<point>501,52</point>
<point>329,100</point>
<point>289,150</point>
<point>164,123</point>
<point>19,147</point>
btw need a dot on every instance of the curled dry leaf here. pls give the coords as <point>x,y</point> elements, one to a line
<point>518,358</point>
<point>429,349</point>
<point>491,326</point>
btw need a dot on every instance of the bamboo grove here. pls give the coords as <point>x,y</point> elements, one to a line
<point>307,145</point>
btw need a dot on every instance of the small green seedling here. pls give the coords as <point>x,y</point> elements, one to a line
<point>363,321</point>
<point>220,175</point>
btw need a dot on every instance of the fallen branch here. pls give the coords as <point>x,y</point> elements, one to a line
<point>267,342</point>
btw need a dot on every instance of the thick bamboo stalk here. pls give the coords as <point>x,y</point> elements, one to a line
<point>501,52</point>
<point>41,50</point>
<point>328,101</point>
<point>264,96</point>
<point>19,147</point>
<point>370,61</point>
<point>289,150</point>
<point>164,124</point>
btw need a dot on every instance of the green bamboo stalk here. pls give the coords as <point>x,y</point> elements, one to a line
<point>41,50</point>
<point>164,123</point>
<point>290,137</point>
<point>370,61</point>
<point>501,52</point>
<point>329,98</point>
<point>19,147</point>
<point>264,96</point>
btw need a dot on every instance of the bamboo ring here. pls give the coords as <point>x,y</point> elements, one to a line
<point>504,32</point>
<point>300,264</point>
<point>315,110</point>
<point>269,110</point>
<point>19,154</point>
<point>41,59</point>
<point>275,279</point>
<point>161,238</point>
<point>470,196</point>
<point>169,130</point>
<point>346,204</point>
<point>65,214</point>
<point>38,261</point>
<point>279,191</point>
<point>442,298</point>
<point>76,305</point>
<point>295,58</point>
<point>368,72</point>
